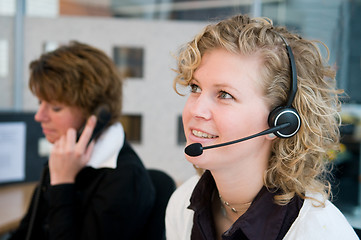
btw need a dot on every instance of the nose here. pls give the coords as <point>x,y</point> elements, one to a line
<point>42,113</point>
<point>200,107</point>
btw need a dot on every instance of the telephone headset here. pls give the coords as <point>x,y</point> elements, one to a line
<point>284,121</point>
<point>103,117</point>
<point>287,113</point>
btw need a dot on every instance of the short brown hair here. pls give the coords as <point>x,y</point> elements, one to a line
<point>78,75</point>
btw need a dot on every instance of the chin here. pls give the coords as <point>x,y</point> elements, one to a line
<point>211,160</point>
<point>199,161</point>
<point>50,139</point>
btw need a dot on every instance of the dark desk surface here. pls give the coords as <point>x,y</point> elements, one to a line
<point>14,202</point>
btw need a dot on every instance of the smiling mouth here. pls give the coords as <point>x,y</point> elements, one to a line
<point>203,134</point>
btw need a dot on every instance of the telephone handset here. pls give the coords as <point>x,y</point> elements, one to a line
<point>103,117</point>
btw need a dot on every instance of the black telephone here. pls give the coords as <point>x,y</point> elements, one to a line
<point>103,117</point>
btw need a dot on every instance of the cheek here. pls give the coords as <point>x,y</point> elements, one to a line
<point>230,127</point>
<point>63,127</point>
<point>75,123</point>
<point>241,123</point>
<point>186,115</point>
<point>78,123</point>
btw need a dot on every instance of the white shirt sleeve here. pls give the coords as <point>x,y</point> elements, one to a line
<point>179,219</point>
<point>317,223</point>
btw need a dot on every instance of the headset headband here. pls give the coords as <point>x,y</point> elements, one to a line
<point>293,81</point>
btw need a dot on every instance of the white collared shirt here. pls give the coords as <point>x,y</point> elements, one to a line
<point>107,147</point>
<point>312,223</point>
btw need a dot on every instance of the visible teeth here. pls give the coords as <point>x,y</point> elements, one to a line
<point>202,134</point>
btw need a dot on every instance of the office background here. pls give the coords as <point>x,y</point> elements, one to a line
<point>142,37</point>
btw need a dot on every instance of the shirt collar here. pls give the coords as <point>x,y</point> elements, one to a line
<point>107,147</point>
<point>202,193</point>
<point>263,220</point>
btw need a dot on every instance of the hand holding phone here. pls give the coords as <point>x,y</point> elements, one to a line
<point>68,156</point>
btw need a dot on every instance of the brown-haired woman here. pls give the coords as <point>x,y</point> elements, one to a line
<point>95,191</point>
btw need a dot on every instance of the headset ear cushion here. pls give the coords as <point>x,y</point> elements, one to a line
<point>282,115</point>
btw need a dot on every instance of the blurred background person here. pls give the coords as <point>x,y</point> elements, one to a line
<point>100,191</point>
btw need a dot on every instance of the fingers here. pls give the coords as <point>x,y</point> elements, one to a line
<point>70,139</point>
<point>86,134</point>
<point>68,157</point>
<point>59,144</point>
<point>88,153</point>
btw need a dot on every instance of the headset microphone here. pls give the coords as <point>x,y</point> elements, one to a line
<point>196,149</point>
<point>284,121</point>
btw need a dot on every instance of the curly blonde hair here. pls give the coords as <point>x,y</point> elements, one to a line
<point>298,164</point>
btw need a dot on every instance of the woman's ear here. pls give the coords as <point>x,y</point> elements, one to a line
<point>270,136</point>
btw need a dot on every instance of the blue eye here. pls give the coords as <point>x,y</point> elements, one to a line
<point>194,88</point>
<point>225,95</point>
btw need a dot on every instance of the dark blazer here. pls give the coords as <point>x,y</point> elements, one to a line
<point>102,204</point>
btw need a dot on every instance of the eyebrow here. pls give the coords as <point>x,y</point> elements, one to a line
<point>225,85</point>
<point>194,79</point>
<point>219,85</point>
